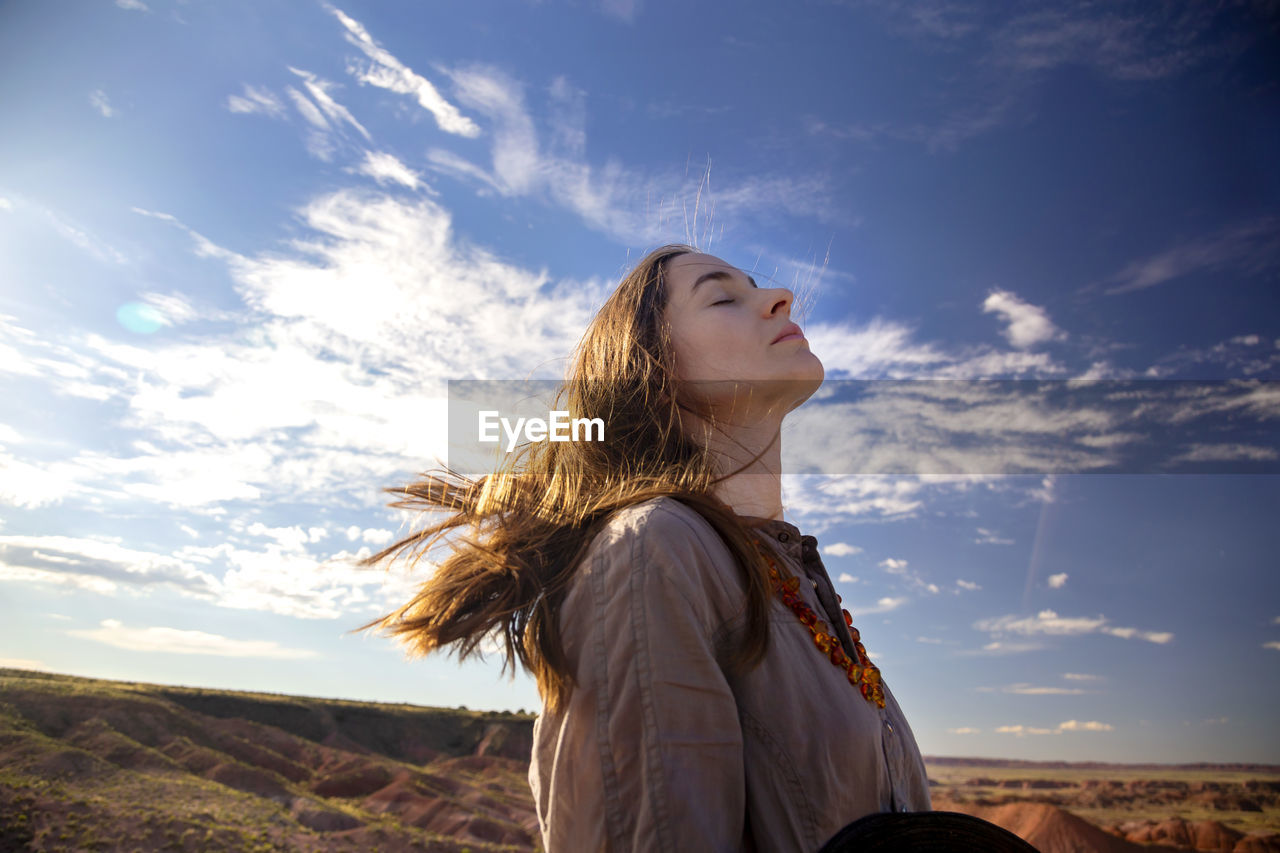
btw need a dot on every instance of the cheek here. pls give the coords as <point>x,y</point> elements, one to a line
<point>712,350</point>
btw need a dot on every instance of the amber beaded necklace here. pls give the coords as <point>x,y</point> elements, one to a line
<point>861,673</point>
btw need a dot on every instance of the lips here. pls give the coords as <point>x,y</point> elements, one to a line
<point>791,331</point>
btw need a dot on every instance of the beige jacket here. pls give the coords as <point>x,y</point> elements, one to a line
<point>659,748</point>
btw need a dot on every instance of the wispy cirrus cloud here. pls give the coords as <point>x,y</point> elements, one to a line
<point>544,158</point>
<point>1245,248</point>
<point>333,111</point>
<point>1024,689</point>
<point>99,101</point>
<point>254,567</point>
<point>386,168</point>
<point>180,641</point>
<point>256,101</point>
<point>1049,623</point>
<point>1013,51</point>
<point>988,537</point>
<point>387,72</point>
<point>330,377</point>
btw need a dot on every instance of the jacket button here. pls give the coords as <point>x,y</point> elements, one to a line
<point>888,727</point>
<point>784,536</point>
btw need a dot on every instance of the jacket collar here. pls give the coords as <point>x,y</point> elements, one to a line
<point>786,536</point>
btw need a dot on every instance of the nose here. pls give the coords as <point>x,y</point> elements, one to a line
<point>778,298</point>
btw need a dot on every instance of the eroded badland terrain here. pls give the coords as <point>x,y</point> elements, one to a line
<point>88,764</point>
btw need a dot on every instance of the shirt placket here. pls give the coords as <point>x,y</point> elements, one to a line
<point>805,552</point>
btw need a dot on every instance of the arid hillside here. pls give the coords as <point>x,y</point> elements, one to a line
<point>104,765</point>
<point>89,764</point>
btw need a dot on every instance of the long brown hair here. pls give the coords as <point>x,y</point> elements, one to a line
<point>527,526</point>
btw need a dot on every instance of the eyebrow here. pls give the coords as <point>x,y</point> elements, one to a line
<point>718,274</point>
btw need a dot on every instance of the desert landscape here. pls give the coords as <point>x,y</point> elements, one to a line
<point>90,764</point>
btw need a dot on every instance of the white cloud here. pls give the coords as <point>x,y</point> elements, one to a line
<point>30,484</point>
<point>841,549</point>
<point>281,576</point>
<point>1047,622</point>
<point>623,10</point>
<point>1160,637</point>
<point>845,577</point>
<point>318,88</point>
<point>1273,644</point>
<point>1032,690</point>
<point>884,605</point>
<point>1089,726</point>
<point>1021,731</point>
<point>171,309</point>
<point>98,98</point>
<point>186,642</point>
<point>5,204</point>
<point>133,5</point>
<point>23,663</point>
<point>877,348</point>
<point>256,101</point>
<point>308,110</point>
<point>893,565</point>
<point>1028,324</point>
<point>613,199</point>
<point>99,565</point>
<point>376,537</point>
<point>969,585</point>
<point>1068,726</point>
<point>1058,581</point>
<point>964,730</point>
<point>373,536</point>
<point>1080,676</point>
<point>1246,248</point>
<point>987,537</point>
<point>1227,453</point>
<point>386,168</point>
<point>78,235</point>
<point>387,72</point>
<point>1001,647</point>
<point>332,379</point>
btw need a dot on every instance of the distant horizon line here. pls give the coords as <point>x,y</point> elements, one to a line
<point>944,760</point>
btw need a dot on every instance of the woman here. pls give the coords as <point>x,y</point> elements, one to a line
<point>702,689</point>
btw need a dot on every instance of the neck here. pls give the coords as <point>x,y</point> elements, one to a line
<point>756,490</point>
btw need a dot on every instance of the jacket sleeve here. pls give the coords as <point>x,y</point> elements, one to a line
<point>665,720</point>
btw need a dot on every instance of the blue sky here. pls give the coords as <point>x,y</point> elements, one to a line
<point>243,246</point>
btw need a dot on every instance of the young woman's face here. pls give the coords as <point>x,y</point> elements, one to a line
<point>724,327</point>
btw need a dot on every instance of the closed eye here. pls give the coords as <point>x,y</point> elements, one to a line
<point>722,302</point>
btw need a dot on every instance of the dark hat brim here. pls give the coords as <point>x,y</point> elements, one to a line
<point>924,832</point>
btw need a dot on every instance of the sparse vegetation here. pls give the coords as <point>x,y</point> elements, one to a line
<point>188,769</point>
<point>86,763</point>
